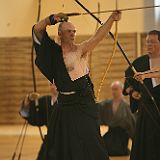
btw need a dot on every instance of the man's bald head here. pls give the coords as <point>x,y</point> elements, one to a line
<point>117,88</point>
<point>117,84</point>
<point>66,32</point>
<point>65,26</point>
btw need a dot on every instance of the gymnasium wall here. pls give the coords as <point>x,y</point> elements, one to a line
<point>16,20</point>
<point>17,17</point>
<point>16,72</point>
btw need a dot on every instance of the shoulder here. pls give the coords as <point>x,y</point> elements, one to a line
<point>141,59</point>
<point>125,105</point>
<point>125,102</point>
<point>105,102</point>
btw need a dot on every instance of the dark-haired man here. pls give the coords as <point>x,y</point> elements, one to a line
<point>147,137</point>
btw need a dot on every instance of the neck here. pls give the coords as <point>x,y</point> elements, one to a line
<point>65,44</point>
<point>117,99</point>
<point>67,47</point>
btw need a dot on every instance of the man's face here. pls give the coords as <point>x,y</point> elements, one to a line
<point>116,91</point>
<point>67,32</point>
<point>152,44</point>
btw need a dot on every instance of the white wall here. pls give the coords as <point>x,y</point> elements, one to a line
<point>18,16</point>
<point>157,15</point>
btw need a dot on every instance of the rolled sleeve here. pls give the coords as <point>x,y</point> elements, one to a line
<point>35,39</point>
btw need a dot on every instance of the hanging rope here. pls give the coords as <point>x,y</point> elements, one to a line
<point>22,135</point>
<point>33,66</point>
<point>32,52</point>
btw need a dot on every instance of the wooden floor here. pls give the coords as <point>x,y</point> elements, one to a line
<point>9,137</point>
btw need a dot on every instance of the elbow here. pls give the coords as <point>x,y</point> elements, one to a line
<point>37,29</point>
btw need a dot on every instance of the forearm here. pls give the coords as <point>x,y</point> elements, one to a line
<point>40,28</point>
<point>101,32</point>
<point>26,100</point>
<point>99,35</point>
<point>31,97</point>
<point>156,69</point>
<point>104,29</point>
<point>153,75</point>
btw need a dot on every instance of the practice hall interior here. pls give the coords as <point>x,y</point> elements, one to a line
<point>79,79</point>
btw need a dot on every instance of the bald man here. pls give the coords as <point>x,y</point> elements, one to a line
<point>73,133</point>
<point>116,114</point>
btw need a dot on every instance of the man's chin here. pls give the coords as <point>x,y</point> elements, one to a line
<point>72,39</point>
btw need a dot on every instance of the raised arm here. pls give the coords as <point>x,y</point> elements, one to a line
<point>89,45</point>
<point>40,27</point>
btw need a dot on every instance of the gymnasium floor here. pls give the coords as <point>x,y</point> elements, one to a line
<point>9,136</point>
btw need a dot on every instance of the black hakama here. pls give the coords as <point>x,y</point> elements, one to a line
<point>73,132</point>
<point>147,137</point>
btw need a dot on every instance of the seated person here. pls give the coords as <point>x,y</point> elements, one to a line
<point>116,114</point>
<point>38,110</point>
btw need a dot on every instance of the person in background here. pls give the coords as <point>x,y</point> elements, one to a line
<point>116,114</point>
<point>147,134</point>
<point>37,110</point>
